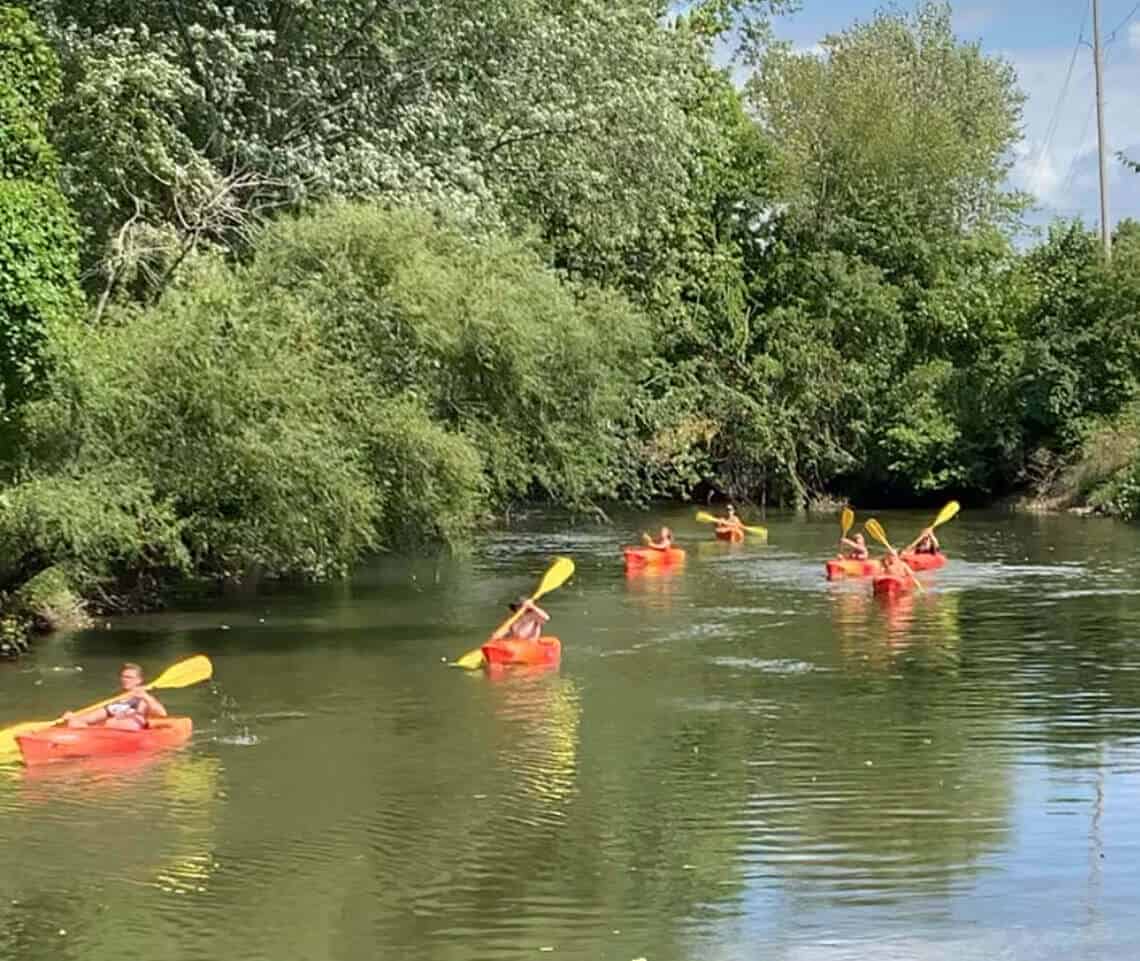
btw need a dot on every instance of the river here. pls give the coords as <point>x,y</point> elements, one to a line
<point>737,760</point>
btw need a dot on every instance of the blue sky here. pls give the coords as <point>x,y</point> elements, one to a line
<point>1057,161</point>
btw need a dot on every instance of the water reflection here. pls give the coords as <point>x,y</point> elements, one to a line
<point>774,766</point>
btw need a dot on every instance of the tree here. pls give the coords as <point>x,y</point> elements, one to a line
<point>896,137</point>
<point>38,243</point>
<point>567,116</point>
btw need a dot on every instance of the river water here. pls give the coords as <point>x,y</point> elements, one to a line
<point>738,760</point>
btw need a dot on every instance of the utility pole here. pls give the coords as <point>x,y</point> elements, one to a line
<point>1105,233</point>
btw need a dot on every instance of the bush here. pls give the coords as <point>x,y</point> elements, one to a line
<point>368,381</point>
<point>538,375</point>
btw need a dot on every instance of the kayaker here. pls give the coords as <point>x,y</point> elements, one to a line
<point>729,523</point>
<point>925,543</point>
<point>528,627</point>
<point>664,540</point>
<point>130,712</point>
<point>892,563</point>
<point>856,548</point>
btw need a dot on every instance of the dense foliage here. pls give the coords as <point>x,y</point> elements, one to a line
<point>359,274</point>
<point>38,243</point>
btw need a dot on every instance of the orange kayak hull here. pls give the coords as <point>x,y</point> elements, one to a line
<point>63,743</point>
<point>848,567</point>
<point>839,567</point>
<point>651,557</point>
<point>729,534</point>
<point>509,650</point>
<point>888,585</point>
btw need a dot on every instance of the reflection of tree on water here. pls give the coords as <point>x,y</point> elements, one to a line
<point>109,826</point>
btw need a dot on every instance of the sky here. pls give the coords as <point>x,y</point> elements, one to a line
<point>1057,159</point>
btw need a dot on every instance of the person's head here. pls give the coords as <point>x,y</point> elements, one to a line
<point>518,604</point>
<point>859,540</point>
<point>130,676</point>
<point>731,511</point>
<point>666,534</point>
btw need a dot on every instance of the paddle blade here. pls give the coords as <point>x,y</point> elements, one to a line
<point>560,572</point>
<point>758,531</point>
<point>875,529</point>
<point>947,513</point>
<point>193,670</point>
<point>705,517</point>
<point>846,519</point>
<point>8,735</point>
<point>471,661</point>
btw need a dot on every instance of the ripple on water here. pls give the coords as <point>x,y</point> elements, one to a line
<point>768,665</point>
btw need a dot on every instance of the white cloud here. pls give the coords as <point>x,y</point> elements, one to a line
<point>1063,176</point>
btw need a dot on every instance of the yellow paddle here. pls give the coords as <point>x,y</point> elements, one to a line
<point>875,529</point>
<point>846,519</point>
<point>706,518</point>
<point>949,512</point>
<point>193,670</point>
<point>559,573</point>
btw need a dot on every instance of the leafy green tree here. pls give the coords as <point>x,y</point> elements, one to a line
<point>199,116</point>
<point>38,243</point>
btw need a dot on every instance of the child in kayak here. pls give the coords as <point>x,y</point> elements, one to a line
<point>664,540</point>
<point>528,627</point>
<point>130,712</point>
<point>856,548</point>
<point>926,543</point>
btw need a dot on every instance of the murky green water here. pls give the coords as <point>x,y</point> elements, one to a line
<point>737,761</point>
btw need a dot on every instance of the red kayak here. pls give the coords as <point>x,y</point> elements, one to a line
<point>62,743</point>
<point>510,650</point>
<point>733,534</point>
<point>888,585</point>
<point>652,557</point>
<point>849,567</point>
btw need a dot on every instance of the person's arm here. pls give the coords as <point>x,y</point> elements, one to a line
<point>154,706</point>
<point>86,718</point>
<point>909,549</point>
<point>845,542</point>
<point>537,611</point>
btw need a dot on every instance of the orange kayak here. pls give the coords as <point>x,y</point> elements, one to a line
<point>62,743</point>
<point>888,585</point>
<point>849,567</point>
<point>733,534</point>
<point>651,557</point>
<point>510,650</point>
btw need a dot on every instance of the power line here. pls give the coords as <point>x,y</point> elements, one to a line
<point>1051,130</point>
<point>1070,176</point>
<point>1112,33</point>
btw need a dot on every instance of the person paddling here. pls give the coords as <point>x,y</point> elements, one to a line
<point>925,543</point>
<point>664,540</point>
<point>856,548</point>
<point>892,564</point>
<point>729,524</point>
<point>528,627</point>
<point>130,712</point>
